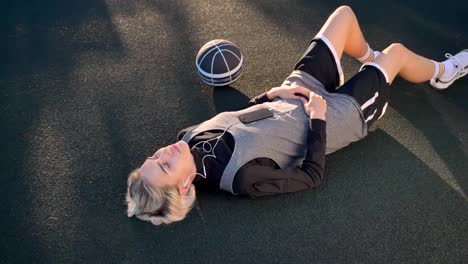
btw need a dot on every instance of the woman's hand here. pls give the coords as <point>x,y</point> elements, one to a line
<point>288,92</point>
<point>316,106</point>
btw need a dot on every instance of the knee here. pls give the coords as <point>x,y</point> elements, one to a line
<point>345,10</point>
<point>397,49</point>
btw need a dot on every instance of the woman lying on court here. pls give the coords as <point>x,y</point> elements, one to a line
<point>284,152</point>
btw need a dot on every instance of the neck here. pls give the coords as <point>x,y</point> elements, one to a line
<point>193,173</point>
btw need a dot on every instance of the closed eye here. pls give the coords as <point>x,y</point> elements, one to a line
<point>162,167</point>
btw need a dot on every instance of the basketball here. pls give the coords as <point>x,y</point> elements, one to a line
<point>219,62</point>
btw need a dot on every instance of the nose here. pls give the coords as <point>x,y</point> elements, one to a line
<point>167,153</point>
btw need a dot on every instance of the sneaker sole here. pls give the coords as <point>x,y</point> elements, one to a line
<point>440,85</point>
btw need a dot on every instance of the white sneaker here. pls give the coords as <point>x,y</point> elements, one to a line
<point>460,60</point>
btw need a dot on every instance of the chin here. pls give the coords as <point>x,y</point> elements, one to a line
<point>184,147</point>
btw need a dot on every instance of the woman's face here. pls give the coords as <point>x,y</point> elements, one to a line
<point>170,165</point>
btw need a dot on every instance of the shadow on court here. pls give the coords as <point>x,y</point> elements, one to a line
<point>90,89</point>
<point>45,133</point>
<point>228,98</point>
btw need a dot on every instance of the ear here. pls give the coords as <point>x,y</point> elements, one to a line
<point>184,190</point>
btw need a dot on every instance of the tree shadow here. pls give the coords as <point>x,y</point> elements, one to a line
<point>67,136</point>
<point>42,44</point>
<point>442,127</point>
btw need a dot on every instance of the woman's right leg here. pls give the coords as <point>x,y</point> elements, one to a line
<point>343,33</point>
<point>371,86</point>
<point>397,59</point>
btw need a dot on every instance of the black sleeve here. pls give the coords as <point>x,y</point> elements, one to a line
<point>259,99</point>
<point>257,179</point>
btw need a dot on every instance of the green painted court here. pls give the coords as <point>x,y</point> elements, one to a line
<point>89,89</point>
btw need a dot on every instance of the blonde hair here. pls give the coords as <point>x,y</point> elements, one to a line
<point>156,204</point>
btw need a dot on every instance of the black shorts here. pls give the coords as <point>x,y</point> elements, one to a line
<point>370,86</point>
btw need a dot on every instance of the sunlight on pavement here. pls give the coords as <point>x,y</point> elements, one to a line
<point>417,143</point>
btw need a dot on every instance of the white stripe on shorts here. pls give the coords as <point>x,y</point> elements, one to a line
<point>335,55</point>
<point>370,101</point>
<point>383,110</point>
<point>371,116</point>
<point>381,69</point>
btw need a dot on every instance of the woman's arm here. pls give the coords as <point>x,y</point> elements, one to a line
<point>263,177</point>
<point>260,180</point>
<point>260,99</point>
<point>289,92</point>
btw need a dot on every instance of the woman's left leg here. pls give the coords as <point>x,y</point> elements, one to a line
<point>343,32</point>
<point>340,33</point>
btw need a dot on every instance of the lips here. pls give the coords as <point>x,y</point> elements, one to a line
<point>175,147</point>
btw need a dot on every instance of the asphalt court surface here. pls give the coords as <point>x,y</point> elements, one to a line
<point>90,88</point>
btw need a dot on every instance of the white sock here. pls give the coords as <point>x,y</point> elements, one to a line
<point>449,70</point>
<point>437,69</point>
<point>369,56</point>
<point>366,56</point>
<point>376,54</point>
<point>444,70</point>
